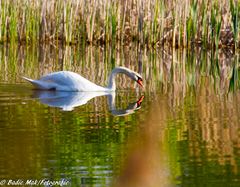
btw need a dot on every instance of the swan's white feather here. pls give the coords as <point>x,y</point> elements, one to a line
<point>65,81</point>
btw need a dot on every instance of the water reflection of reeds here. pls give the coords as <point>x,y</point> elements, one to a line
<point>169,70</point>
<point>207,138</point>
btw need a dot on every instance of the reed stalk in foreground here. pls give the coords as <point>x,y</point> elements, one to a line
<point>234,9</point>
<point>211,24</point>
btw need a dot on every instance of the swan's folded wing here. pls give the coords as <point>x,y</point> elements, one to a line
<point>61,77</point>
<point>65,81</point>
<point>70,81</point>
<point>41,84</point>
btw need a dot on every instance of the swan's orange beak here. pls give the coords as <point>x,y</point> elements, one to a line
<point>140,100</point>
<point>139,81</point>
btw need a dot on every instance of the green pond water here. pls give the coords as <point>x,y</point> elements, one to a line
<point>182,129</point>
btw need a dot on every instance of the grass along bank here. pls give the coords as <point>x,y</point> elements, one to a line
<point>177,23</point>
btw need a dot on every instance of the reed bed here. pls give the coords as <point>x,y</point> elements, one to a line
<point>154,23</point>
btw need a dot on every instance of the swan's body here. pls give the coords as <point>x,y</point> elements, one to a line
<point>65,81</point>
<point>70,81</point>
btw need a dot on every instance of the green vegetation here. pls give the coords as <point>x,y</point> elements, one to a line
<point>211,24</point>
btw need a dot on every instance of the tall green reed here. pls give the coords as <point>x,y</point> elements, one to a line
<point>234,80</point>
<point>12,25</point>
<point>215,23</point>
<point>192,22</point>
<point>4,21</point>
<point>204,23</point>
<point>234,9</point>
<point>152,23</point>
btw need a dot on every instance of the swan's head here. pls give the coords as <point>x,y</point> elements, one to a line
<point>133,75</point>
<point>138,78</point>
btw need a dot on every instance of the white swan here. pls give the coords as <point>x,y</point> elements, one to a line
<point>70,81</point>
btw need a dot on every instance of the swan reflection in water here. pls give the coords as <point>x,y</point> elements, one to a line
<point>67,101</point>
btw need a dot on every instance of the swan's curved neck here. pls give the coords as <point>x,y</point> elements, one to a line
<point>111,81</point>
